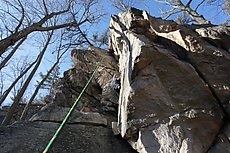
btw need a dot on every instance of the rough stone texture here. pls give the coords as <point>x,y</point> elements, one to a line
<point>99,96</point>
<point>89,127</point>
<point>222,143</point>
<point>174,95</point>
<point>175,92</point>
<point>76,138</point>
<point>218,36</point>
<point>53,113</point>
<point>2,115</point>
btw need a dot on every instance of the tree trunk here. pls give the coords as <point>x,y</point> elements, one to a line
<point>25,111</point>
<point>11,40</point>
<point>197,17</point>
<point>15,104</point>
<point>6,93</point>
<point>3,63</point>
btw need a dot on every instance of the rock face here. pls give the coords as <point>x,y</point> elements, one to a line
<point>175,86</point>
<point>89,127</point>
<point>33,136</point>
<point>163,87</point>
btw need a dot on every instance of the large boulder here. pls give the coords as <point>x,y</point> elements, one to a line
<point>174,93</point>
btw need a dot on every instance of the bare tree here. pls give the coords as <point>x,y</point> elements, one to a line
<point>8,57</point>
<point>122,5</point>
<point>76,35</point>
<point>18,66</point>
<point>20,18</point>
<point>183,18</point>
<point>1,85</point>
<point>20,94</point>
<point>221,5</point>
<point>60,54</point>
<point>100,40</point>
<point>178,6</point>
<point>40,15</point>
<point>16,78</point>
<point>227,7</point>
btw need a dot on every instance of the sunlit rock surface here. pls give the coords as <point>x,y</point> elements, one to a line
<point>163,87</point>
<point>175,86</point>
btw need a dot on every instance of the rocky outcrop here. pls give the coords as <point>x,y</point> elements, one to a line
<point>175,83</point>
<point>163,87</point>
<point>99,94</point>
<point>89,127</point>
<point>27,137</point>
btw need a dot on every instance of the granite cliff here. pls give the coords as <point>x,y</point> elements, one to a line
<point>161,87</point>
<point>175,92</point>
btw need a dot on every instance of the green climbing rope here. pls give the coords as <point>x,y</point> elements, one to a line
<point>69,113</point>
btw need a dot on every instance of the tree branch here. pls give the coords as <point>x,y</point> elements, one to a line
<point>171,13</point>
<point>20,94</point>
<point>22,17</point>
<point>7,91</point>
<point>199,4</point>
<point>44,4</point>
<point>71,24</point>
<point>3,63</point>
<point>84,36</point>
<point>177,4</point>
<point>188,4</point>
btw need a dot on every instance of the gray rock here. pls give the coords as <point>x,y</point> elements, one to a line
<point>76,138</point>
<point>53,113</point>
<point>174,85</point>
<point>174,95</point>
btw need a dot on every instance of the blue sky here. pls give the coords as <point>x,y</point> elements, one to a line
<point>212,13</point>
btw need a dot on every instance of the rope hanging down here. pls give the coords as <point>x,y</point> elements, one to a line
<point>69,113</point>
